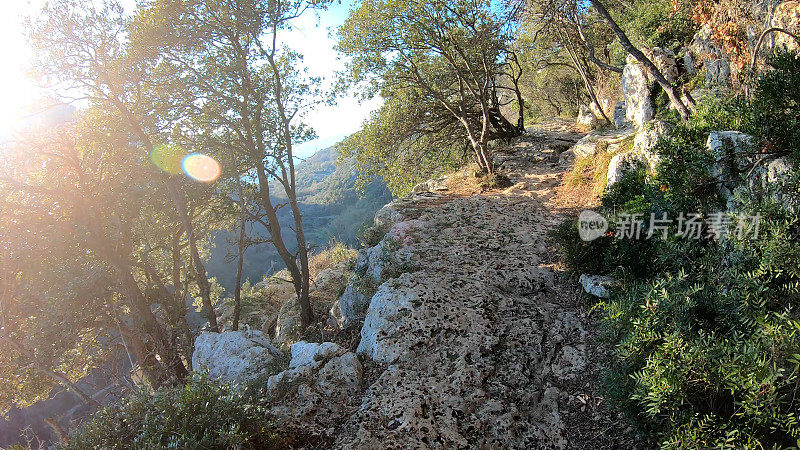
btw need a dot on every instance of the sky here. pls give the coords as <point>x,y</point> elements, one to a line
<point>313,36</point>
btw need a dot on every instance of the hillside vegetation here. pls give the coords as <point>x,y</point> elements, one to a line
<point>569,225</point>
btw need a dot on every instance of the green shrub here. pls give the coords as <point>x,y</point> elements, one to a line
<point>774,111</point>
<point>201,414</point>
<point>706,333</point>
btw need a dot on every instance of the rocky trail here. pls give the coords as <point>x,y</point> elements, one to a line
<point>457,330</point>
<point>474,339</point>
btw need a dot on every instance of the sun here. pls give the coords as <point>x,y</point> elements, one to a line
<point>17,91</point>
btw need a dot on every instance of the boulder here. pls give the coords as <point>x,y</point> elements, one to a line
<point>776,179</point>
<point>322,382</point>
<point>597,285</point>
<point>234,356</point>
<point>289,324</point>
<point>636,89</point>
<point>587,146</point>
<point>350,307</point>
<point>436,184</point>
<point>664,59</point>
<point>622,163</point>
<point>647,138</point>
<point>387,216</point>
<point>586,117</point>
<point>689,62</point>
<point>370,261</point>
<point>703,46</point>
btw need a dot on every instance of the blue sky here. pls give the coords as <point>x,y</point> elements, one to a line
<point>313,36</point>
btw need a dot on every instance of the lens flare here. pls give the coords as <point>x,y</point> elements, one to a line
<point>168,158</point>
<point>201,167</point>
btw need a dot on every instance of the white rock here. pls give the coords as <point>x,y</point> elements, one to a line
<point>636,89</point>
<point>386,308</point>
<point>320,383</point>
<point>586,117</point>
<point>289,324</point>
<point>233,356</point>
<point>370,261</point>
<point>731,153</point>
<point>718,72</point>
<point>620,121</point>
<point>664,59</point>
<point>647,138</point>
<point>350,308</point>
<point>622,163</point>
<point>597,285</point>
<point>313,354</point>
<point>387,216</point>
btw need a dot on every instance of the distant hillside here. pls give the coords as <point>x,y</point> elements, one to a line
<point>332,208</point>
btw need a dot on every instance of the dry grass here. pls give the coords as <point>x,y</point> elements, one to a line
<point>335,253</point>
<point>590,172</point>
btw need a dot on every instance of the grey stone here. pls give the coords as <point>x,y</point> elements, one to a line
<point>233,356</point>
<point>597,285</point>
<point>636,89</point>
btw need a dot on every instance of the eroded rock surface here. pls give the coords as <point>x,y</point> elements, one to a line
<point>473,342</point>
<point>234,356</point>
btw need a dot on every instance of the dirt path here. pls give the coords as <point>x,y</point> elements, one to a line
<point>477,340</point>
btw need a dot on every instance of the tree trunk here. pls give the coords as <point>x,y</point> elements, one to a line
<point>237,292</point>
<point>197,262</point>
<point>586,82</point>
<point>302,277</point>
<point>274,229</point>
<point>672,91</point>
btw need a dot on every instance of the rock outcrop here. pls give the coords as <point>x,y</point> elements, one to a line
<point>597,285</point>
<point>234,356</point>
<point>636,89</point>
<point>321,385</point>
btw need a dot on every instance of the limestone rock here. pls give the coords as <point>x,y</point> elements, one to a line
<point>586,117</point>
<point>587,146</point>
<point>371,261</point>
<point>730,150</point>
<point>233,356</point>
<point>320,386</point>
<point>647,138</point>
<point>664,59</point>
<point>703,46</point>
<point>775,179</point>
<point>436,184</point>
<point>718,73</point>
<point>387,216</point>
<point>350,307</point>
<point>393,301</point>
<point>289,324</point>
<point>597,285</point>
<point>313,354</point>
<point>622,163</point>
<point>636,89</point>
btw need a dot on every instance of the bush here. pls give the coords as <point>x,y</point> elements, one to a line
<point>200,414</point>
<point>706,333</point>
